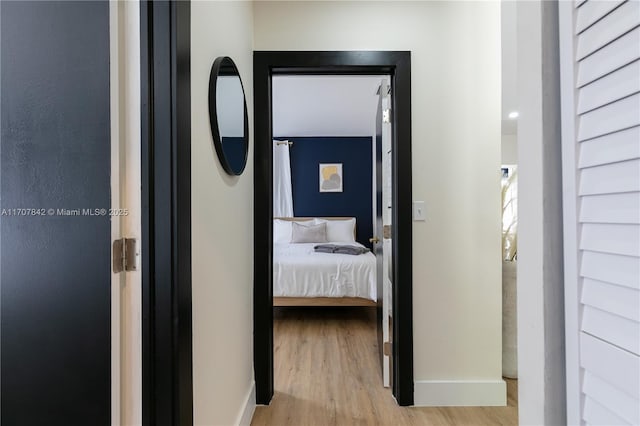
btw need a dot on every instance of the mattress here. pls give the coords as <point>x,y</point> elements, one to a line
<point>298,271</point>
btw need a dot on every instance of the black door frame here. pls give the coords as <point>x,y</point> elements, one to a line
<point>398,65</point>
<point>167,378</point>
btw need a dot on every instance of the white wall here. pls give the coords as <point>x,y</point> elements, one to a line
<point>222,217</point>
<point>509,41</point>
<point>541,372</point>
<point>509,28</point>
<point>509,149</point>
<point>456,119</point>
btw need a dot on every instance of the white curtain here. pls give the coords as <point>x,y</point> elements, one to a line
<point>282,194</point>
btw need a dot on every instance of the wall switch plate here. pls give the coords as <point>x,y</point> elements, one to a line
<point>419,211</point>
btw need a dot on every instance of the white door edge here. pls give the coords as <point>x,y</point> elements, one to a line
<point>386,220</point>
<point>126,306</point>
<point>569,199</point>
<point>117,279</point>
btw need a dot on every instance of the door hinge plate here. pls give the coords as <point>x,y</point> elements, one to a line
<point>386,232</point>
<point>125,256</point>
<point>386,348</point>
<point>386,116</point>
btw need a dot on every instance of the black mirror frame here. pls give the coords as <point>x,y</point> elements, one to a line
<point>216,70</point>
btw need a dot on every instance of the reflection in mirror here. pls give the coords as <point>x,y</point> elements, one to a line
<point>228,115</point>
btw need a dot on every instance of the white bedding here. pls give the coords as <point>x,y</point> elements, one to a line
<point>298,271</point>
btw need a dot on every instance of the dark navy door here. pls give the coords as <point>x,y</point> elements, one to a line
<point>55,353</point>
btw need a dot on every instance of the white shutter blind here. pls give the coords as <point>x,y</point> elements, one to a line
<point>600,61</point>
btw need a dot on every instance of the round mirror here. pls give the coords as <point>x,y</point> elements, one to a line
<point>228,115</point>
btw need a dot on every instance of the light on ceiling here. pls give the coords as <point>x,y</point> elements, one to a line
<point>513,115</point>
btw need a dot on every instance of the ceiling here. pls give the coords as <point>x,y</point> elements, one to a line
<point>336,105</point>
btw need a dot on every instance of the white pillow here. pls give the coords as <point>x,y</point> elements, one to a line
<point>339,231</point>
<point>316,233</point>
<point>282,230</point>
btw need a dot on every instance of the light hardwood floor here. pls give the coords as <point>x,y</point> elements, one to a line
<point>327,373</point>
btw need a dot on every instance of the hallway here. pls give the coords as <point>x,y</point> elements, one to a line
<point>327,373</point>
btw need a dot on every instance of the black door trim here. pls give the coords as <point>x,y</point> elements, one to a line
<point>167,380</point>
<point>398,64</point>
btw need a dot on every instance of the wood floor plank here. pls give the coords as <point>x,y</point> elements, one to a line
<point>327,373</point>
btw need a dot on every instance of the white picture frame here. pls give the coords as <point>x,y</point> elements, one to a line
<point>330,177</point>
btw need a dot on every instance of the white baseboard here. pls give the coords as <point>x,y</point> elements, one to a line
<point>248,408</point>
<point>460,393</point>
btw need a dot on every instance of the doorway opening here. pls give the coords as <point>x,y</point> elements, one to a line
<point>332,261</point>
<point>395,65</point>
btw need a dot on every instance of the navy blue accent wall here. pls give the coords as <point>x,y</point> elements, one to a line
<point>356,199</point>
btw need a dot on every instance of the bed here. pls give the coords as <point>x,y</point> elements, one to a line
<point>303,277</point>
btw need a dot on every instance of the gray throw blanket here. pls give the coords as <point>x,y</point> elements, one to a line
<point>340,249</point>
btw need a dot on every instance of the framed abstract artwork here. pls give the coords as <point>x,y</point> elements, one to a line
<point>331,177</point>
